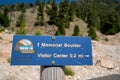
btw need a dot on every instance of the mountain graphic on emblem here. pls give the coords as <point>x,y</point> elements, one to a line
<point>24,46</point>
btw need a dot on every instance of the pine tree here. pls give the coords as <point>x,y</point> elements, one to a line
<point>1,18</point>
<point>22,7</point>
<point>63,13</point>
<point>103,15</point>
<point>6,10</point>
<point>37,2</point>
<point>92,33</point>
<point>21,18</point>
<point>22,28</point>
<point>31,4</point>
<point>43,2</point>
<point>71,13</point>
<point>6,21</point>
<point>12,7</point>
<point>53,14</point>
<point>21,25</point>
<point>76,31</point>
<point>40,10</point>
<point>4,18</point>
<point>54,2</point>
<point>40,15</point>
<point>111,24</point>
<point>48,2</point>
<point>62,30</point>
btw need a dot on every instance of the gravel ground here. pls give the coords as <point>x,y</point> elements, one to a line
<point>106,59</point>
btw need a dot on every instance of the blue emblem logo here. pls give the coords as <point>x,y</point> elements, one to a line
<point>24,46</point>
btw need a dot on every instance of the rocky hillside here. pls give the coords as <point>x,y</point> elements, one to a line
<point>31,17</point>
<point>106,59</point>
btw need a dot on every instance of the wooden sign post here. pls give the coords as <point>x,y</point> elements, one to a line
<point>52,73</point>
<point>51,52</point>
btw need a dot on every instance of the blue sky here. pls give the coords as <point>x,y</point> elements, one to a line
<point>19,1</point>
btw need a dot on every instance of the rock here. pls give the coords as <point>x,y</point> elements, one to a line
<point>69,77</point>
<point>107,63</point>
<point>7,31</point>
<point>78,77</point>
<point>0,38</point>
<point>75,78</point>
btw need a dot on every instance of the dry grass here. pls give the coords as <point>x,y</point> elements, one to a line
<point>82,26</point>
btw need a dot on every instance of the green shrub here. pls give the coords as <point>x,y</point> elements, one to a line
<point>67,24</point>
<point>6,21</point>
<point>92,33</point>
<point>21,30</point>
<point>4,18</point>
<point>21,19</point>
<point>17,24</point>
<point>2,29</point>
<point>8,59</point>
<point>57,33</point>
<point>42,22</point>
<point>62,30</point>
<point>69,71</point>
<point>106,39</point>
<point>36,23</point>
<point>37,32</point>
